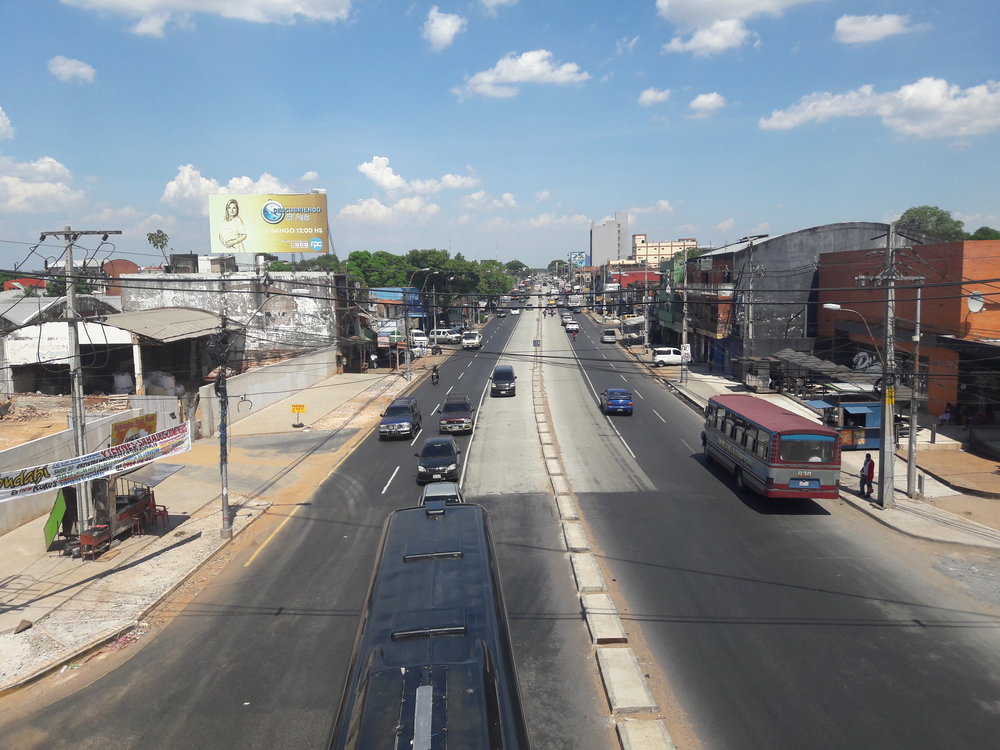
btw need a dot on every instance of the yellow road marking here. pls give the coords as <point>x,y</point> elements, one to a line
<point>273,534</point>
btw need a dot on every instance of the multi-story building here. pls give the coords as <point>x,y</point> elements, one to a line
<point>609,240</point>
<point>653,253</point>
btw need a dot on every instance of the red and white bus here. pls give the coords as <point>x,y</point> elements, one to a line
<point>771,450</point>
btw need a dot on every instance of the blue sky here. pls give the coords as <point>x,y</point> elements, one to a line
<point>494,128</point>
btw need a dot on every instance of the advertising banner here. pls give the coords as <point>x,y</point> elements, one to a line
<point>113,460</point>
<point>578,259</point>
<point>132,429</point>
<point>293,223</point>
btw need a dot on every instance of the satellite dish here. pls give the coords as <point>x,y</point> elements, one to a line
<point>976,302</point>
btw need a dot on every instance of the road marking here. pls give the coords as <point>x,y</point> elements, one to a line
<point>394,473</point>
<point>450,389</point>
<point>416,435</point>
<point>612,364</point>
<point>687,446</point>
<point>272,535</point>
<point>658,414</point>
<point>623,377</point>
<point>637,393</point>
<point>460,375</point>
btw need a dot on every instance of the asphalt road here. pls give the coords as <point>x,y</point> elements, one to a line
<point>792,625</point>
<point>259,659</point>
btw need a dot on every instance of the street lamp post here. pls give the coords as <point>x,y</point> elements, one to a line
<point>886,451</point>
<point>406,318</point>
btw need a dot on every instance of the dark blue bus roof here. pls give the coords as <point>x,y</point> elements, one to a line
<point>432,656</point>
<point>772,417</point>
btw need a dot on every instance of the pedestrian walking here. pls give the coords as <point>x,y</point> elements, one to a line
<point>867,475</point>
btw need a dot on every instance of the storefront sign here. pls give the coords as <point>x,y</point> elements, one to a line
<point>131,429</point>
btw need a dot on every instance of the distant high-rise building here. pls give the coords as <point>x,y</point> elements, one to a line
<point>610,240</point>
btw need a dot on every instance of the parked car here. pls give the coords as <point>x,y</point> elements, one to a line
<point>666,355</point>
<point>444,335</point>
<point>608,336</point>
<point>456,414</point>
<point>616,401</point>
<point>502,381</point>
<point>572,326</point>
<point>401,419</point>
<point>447,491</point>
<point>438,460</point>
<point>472,340</point>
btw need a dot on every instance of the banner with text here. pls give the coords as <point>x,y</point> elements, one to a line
<point>113,460</point>
<point>293,223</point>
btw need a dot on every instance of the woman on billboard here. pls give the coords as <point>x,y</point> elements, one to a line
<point>233,233</point>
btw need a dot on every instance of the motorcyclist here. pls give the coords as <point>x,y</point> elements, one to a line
<point>435,374</point>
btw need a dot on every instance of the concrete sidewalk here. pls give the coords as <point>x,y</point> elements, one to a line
<point>961,492</point>
<point>74,605</point>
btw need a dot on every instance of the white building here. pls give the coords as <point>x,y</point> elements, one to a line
<point>609,240</point>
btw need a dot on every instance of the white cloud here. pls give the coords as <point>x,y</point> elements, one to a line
<point>712,40</point>
<point>373,211</point>
<point>490,6</point>
<point>154,15</point>
<point>151,25</point>
<point>309,176</point>
<point>189,188</point>
<point>726,225</point>
<point>864,29</point>
<point>929,108</point>
<point>535,66</point>
<point>378,171</point>
<point>700,13</point>
<point>541,196</point>
<point>704,105</point>
<point>481,201</point>
<point>68,69</point>
<point>440,29</point>
<point>40,186</point>
<point>660,207</point>
<point>547,220</point>
<point>625,44</point>
<point>652,96</point>
<point>6,129</point>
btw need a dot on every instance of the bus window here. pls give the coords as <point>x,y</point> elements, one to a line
<point>801,449</point>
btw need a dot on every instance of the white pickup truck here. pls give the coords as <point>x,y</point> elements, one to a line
<point>472,340</point>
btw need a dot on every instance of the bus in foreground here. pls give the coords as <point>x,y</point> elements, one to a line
<point>432,667</point>
<point>771,450</point>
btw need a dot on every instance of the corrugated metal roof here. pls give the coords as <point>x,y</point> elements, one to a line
<point>167,324</point>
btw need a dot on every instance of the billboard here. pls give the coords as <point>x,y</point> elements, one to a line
<point>578,259</point>
<point>293,223</point>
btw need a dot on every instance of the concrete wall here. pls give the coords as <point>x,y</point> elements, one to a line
<point>263,387</point>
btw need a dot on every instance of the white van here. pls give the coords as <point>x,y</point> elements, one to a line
<point>444,335</point>
<point>418,338</point>
<point>472,340</point>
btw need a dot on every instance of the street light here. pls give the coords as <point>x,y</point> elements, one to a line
<point>406,317</point>
<point>886,451</point>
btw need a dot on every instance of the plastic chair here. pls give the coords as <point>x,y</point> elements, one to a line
<point>159,513</point>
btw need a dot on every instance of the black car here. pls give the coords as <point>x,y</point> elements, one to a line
<point>438,460</point>
<point>502,381</point>
<point>401,419</point>
<point>456,414</point>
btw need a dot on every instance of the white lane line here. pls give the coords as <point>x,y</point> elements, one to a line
<point>460,375</point>
<point>612,364</point>
<point>608,417</point>
<point>416,435</point>
<point>394,473</point>
<point>686,445</point>
<point>658,414</point>
<point>450,389</point>
<point>637,393</point>
<point>623,377</point>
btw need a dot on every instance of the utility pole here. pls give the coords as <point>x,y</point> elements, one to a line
<point>684,316</point>
<point>78,418</point>
<point>911,453</point>
<point>222,393</point>
<point>887,448</point>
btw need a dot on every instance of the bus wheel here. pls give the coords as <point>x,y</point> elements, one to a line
<point>742,485</point>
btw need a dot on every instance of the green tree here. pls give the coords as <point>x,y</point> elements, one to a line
<point>985,233</point>
<point>56,287</point>
<point>557,267</point>
<point>932,220</point>
<point>159,240</point>
<point>517,268</point>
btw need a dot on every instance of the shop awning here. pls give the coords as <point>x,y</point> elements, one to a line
<point>818,404</point>
<point>859,409</point>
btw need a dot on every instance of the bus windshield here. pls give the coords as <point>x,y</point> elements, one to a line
<point>800,449</point>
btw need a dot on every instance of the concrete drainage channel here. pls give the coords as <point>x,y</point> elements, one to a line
<point>624,682</point>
